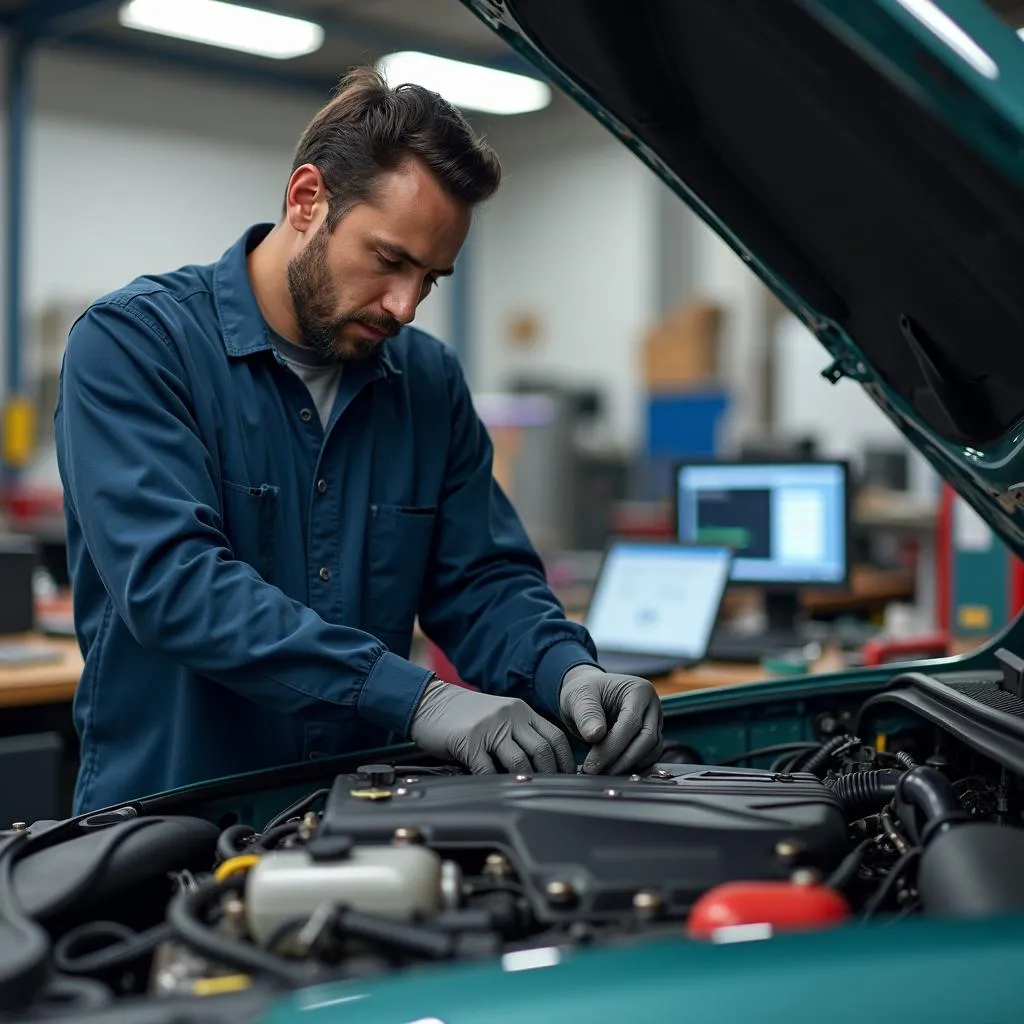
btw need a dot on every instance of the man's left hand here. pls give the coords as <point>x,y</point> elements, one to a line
<point>619,716</point>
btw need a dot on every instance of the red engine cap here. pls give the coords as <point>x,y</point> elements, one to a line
<point>784,906</point>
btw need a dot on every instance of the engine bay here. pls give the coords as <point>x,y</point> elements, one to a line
<point>910,807</point>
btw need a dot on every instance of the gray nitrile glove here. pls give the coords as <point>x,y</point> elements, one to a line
<point>480,730</point>
<point>619,716</point>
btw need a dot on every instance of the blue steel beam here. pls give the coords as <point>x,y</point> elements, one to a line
<point>17,103</point>
<point>375,36</point>
<point>45,19</point>
<point>150,55</point>
<point>63,21</point>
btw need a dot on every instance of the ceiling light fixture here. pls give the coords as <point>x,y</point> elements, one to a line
<point>467,86</point>
<point>216,23</point>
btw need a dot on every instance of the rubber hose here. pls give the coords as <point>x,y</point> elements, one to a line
<point>844,874</point>
<point>823,755</point>
<point>862,793</point>
<point>931,793</point>
<point>272,837</point>
<point>297,809</point>
<point>906,760</point>
<point>229,842</point>
<point>78,995</point>
<point>185,916</point>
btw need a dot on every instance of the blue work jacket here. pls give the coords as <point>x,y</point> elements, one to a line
<point>245,582</point>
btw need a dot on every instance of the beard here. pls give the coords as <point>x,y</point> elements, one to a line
<point>312,293</point>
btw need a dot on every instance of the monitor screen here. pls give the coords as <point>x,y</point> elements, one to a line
<point>787,522</point>
<point>658,598</point>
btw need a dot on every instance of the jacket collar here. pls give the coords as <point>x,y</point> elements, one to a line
<point>243,329</point>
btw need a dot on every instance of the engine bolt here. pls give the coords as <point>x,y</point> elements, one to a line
<point>308,826</point>
<point>407,834</point>
<point>496,867</point>
<point>19,826</point>
<point>635,778</point>
<point>663,773</point>
<point>411,781</point>
<point>401,791</point>
<point>805,876</point>
<point>523,778</point>
<point>613,792</point>
<point>233,921</point>
<point>559,891</point>
<point>647,902</point>
<point>788,849</point>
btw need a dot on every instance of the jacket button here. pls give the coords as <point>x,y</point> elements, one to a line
<point>321,485</point>
<point>305,415</point>
<point>325,574</point>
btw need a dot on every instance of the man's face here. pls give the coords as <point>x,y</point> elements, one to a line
<point>359,284</point>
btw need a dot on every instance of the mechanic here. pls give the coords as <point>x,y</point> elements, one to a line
<point>269,475</point>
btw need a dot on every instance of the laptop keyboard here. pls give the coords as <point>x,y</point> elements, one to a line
<point>751,647</point>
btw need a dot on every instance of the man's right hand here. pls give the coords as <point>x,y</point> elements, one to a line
<point>481,731</point>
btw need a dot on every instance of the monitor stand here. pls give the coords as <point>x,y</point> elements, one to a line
<point>782,611</point>
<point>781,633</point>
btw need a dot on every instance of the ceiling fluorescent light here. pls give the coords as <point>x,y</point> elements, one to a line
<point>216,23</point>
<point>467,86</point>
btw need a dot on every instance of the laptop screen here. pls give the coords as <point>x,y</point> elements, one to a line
<point>658,599</point>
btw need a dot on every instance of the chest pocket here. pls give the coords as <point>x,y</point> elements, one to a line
<point>249,516</point>
<point>398,555</point>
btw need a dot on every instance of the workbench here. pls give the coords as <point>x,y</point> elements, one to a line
<point>46,683</point>
<point>55,683</point>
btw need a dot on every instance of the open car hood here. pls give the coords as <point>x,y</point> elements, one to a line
<point>866,159</point>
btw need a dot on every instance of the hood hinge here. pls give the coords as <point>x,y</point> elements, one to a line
<point>835,372</point>
<point>1011,499</point>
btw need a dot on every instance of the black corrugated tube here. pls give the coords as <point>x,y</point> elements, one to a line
<point>921,794</point>
<point>823,755</point>
<point>863,793</point>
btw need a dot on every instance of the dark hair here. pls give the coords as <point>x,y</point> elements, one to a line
<point>369,128</point>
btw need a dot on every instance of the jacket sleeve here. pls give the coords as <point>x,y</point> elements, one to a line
<point>142,484</point>
<point>486,602</point>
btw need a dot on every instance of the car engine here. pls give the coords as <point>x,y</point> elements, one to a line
<point>396,866</point>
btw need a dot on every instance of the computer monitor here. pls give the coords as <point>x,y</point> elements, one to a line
<point>788,523</point>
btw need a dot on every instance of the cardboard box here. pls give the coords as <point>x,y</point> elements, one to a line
<point>681,350</point>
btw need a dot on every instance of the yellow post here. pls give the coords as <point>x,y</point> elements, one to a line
<point>19,431</point>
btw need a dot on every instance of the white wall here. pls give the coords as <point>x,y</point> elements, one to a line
<point>569,240</point>
<point>132,171</point>
<point>574,237</point>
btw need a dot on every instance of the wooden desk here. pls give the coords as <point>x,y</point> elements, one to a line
<point>710,674</point>
<point>49,683</point>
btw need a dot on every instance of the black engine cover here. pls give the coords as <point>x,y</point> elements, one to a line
<point>679,831</point>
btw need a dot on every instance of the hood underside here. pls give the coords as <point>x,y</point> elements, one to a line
<point>864,160</point>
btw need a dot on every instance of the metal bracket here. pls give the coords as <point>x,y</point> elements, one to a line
<point>1013,672</point>
<point>834,373</point>
<point>1010,499</point>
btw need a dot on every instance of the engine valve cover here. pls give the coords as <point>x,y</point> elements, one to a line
<point>586,846</point>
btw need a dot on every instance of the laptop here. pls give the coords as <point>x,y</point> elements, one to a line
<point>655,604</point>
